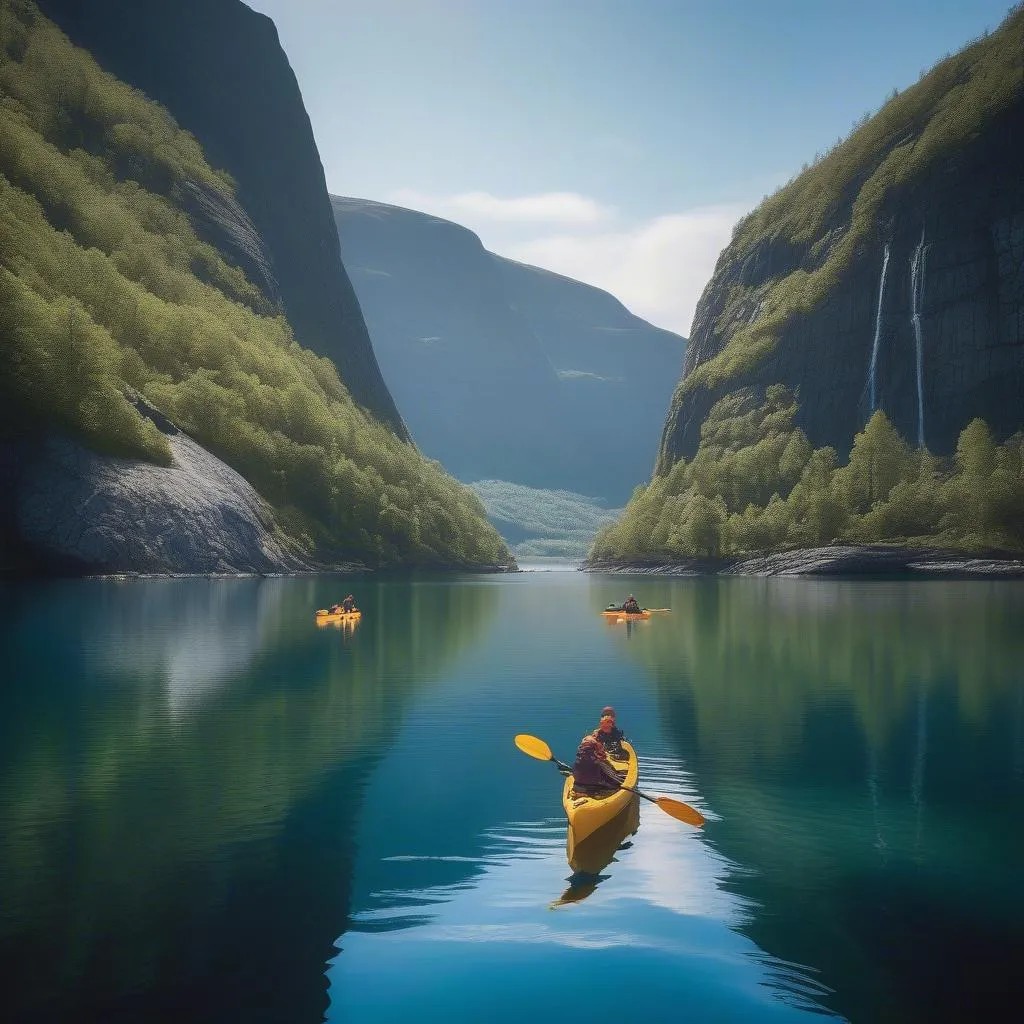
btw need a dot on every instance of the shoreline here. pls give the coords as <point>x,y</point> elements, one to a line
<point>840,560</point>
<point>356,569</point>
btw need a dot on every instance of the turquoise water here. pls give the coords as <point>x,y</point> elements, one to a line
<point>211,809</point>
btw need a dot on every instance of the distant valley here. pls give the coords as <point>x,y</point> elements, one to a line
<point>507,372</point>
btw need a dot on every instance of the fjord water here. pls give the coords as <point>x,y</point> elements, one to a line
<point>211,809</point>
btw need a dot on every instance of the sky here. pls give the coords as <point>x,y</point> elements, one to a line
<point>615,141</point>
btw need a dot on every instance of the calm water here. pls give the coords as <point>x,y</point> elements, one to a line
<point>212,810</point>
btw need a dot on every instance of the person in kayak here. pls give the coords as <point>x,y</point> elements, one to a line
<point>349,604</point>
<point>592,774</point>
<point>631,607</point>
<point>610,735</point>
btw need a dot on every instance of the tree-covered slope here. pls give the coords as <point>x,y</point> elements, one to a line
<point>219,69</point>
<point>872,310</point>
<point>885,275</point>
<point>106,288</point>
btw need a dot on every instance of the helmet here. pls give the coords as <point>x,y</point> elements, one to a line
<point>608,711</point>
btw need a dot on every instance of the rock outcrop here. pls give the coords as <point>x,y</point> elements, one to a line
<point>218,67</point>
<point>944,319</point>
<point>849,560</point>
<point>502,370</point>
<point>75,510</point>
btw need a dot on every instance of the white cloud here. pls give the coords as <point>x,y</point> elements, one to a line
<point>552,209</point>
<point>657,268</point>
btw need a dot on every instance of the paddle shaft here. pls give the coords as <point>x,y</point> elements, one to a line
<point>630,789</point>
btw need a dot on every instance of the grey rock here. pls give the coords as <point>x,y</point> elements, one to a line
<point>868,560</point>
<point>115,515</point>
<point>220,220</point>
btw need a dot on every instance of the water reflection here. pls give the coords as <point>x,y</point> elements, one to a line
<point>172,750</point>
<point>192,833</point>
<point>478,943</point>
<point>860,743</point>
<point>455,874</point>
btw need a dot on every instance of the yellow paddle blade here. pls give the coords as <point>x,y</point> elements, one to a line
<point>684,812</point>
<point>534,747</point>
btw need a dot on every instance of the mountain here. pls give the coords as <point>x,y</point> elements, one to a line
<point>219,69</point>
<point>157,411</point>
<point>887,275</point>
<point>855,370</point>
<point>505,371</point>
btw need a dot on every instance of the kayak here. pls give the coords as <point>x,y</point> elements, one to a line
<point>323,615</point>
<point>592,855</point>
<point>617,616</point>
<point>587,814</point>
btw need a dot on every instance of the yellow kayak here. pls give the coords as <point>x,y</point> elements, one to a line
<point>587,814</point>
<point>592,855</point>
<point>323,615</point>
<point>615,616</point>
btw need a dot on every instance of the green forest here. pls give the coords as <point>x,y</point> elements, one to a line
<point>106,290</point>
<point>756,485</point>
<point>544,523</point>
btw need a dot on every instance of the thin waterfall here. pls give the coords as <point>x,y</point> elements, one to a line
<point>878,328</point>
<point>917,265</point>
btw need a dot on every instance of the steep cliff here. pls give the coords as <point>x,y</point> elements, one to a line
<point>889,275</point>
<point>503,370</point>
<point>219,69</point>
<point>113,307</point>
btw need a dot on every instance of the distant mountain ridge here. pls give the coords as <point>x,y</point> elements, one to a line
<point>503,370</point>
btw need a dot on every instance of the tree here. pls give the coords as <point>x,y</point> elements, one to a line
<point>880,458</point>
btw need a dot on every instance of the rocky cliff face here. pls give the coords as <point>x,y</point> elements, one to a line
<point>503,370</point>
<point>72,510</point>
<point>925,321</point>
<point>219,69</point>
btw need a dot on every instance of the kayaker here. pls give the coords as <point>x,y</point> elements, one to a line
<point>610,734</point>
<point>591,772</point>
<point>631,607</point>
<point>349,604</point>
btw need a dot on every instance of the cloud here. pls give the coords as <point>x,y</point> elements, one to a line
<point>656,268</point>
<point>552,209</point>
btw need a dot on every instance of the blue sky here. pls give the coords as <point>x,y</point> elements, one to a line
<point>613,140</point>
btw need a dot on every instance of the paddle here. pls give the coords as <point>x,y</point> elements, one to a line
<point>537,748</point>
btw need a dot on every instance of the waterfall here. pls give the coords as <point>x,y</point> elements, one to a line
<point>878,327</point>
<point>917,265</point>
